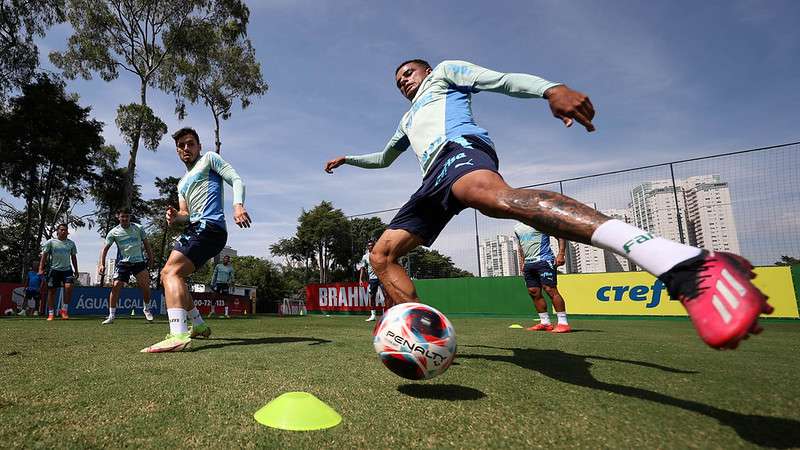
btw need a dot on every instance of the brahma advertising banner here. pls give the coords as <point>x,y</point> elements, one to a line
<point>341,297</point>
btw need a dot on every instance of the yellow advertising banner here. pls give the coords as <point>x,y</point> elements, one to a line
<point>639,293</point>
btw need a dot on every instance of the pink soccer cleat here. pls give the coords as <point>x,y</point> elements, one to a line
<point>540,327</point>
<point>716,291</point>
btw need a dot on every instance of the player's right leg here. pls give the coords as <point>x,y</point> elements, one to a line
<point>539,303</point>
<point>714,287</point>
<point>143,281</point>
<point>390,246</point>
<point>176,294</point>
<point>113,299</point>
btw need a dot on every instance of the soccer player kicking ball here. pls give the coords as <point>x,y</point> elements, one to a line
<point>538,266</point>
<point>131,245</point>
<point>200,197</point>
<point>61,251</point>
<point>460,170</point>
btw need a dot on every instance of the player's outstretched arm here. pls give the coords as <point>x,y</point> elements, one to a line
<point>334,163</point>
<point>378,160</point>
<point>101,265</point>
<point>567,104</point>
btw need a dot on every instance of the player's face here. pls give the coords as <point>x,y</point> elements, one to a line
<point>409,77</point>
<point>124,219</point>
<point>188,148</point>
<point>62,233</point>
<point>369,247</point>
<point>226,260</point>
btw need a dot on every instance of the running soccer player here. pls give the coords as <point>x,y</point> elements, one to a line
<point>33,288</point>
<point>365,268</point>
<point>460,169</point>
<point>131,245</point>
<point>538,266</point>
<point>200,198</point>
<point>61,251</point>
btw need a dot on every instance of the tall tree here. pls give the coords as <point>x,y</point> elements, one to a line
<point>21,21</point>
<point>159,233</point>
<point>425,263</point>
<point>137,36</point>
<point>52,150</point>
<point>217,66</point>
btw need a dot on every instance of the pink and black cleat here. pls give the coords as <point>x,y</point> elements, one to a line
<point>716,291</point>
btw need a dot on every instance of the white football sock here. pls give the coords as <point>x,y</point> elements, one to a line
<point>544,318</point>
<point>654,254</point>
<point>112,312</point>
<point>177,321</point>
<point>197,319</point>
<point>562,317</point>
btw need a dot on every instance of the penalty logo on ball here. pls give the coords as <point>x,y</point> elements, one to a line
<point>415,341</point>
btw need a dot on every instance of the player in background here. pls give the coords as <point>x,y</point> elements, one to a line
<point>33,288</point>
<point>460,169</point>
<point>222,279</point>
<point>365,270</point>
<point>62,254</point>
<point>201,210</point>
<point>538,263</point>
<point>131,247</point>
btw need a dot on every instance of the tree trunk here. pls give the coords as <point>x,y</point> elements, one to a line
<point>26,233</point>
<point>45,205</point>
<point>216,132</point>
<point>130,175</point>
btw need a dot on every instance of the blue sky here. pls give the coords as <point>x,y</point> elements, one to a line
<point>669,80</point>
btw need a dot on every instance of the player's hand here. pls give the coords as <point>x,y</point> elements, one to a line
<point>567,105</point>
<point>240,216</point>
<point>560,260</point>
<point>172,215</point>
<point>334,163</point>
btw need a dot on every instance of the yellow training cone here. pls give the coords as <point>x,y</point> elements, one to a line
<point>297,411</point>
<point>515,325</point>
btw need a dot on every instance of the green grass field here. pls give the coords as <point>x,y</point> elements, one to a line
<point>614,383</point>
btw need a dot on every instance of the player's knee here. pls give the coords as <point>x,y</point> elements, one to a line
<point>169,270</point>
<point>534,292</point>
<point>551,290</point>
<point>379,259</point>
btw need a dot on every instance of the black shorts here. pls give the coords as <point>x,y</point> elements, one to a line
<point>124,270</point>
<point>373,287</point>
<point>58,278</point>
<point>201,242</point>
<point>540,273</point>
<point>430,208</point>
<point>221,288</point>
<point>31,294</point>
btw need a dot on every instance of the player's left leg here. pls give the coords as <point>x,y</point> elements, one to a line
<point>714,287</point>
<point>143,281</point>
<point>562,326</point>
<point>393,244</point>
<point>113,299</point>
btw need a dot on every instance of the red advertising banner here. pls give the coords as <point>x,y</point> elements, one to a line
<point>237,304</point>
<point>341,297</point>
<point>6,294</point>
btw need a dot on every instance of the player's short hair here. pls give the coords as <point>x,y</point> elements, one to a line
<point>421,62</point>
<point>62,225</point>
<point>123,210</point>
<point>183,132</point>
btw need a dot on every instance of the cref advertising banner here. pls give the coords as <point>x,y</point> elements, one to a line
<point>639,293</point>
<point>341,297</point>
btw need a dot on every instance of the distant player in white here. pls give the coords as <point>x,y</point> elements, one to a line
<point>222,279</point>
<point>62,254</point>
<point>538,264</point>
<point>365,269</point>
<point>131,245</point>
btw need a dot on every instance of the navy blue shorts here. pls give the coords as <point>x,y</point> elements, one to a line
<point>201,242</point>
<point>540,273</point>
<point>58,278</point>
<point>373,287</point>
<point>430,208</point>
<point>124,270</point>
<point>31,294</point>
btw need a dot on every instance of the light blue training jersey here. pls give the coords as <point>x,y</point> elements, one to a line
<point>222,274</point>
<point>202,190</point>
<point>441,111</point>
<point>60,253</point>
<point>364,263</point>
<point>130,242</point>
<point>535,244</point>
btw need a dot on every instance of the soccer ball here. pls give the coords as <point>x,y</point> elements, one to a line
<point>415,341</point>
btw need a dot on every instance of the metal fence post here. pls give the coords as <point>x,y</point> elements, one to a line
<point>677,204</point>
<point>477,242</point>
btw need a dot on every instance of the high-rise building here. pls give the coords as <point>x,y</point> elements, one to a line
<point>588,259</point>
<point>653,209</point>
<point>709,214</point>
<point>499,257</point>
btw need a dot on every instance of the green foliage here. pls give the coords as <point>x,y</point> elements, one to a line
<point>326,230</point>
<point>21,21</point>
<point>787,261</point>
<point>423,263</point>
<point>139,121</point>
<point>266,276</point>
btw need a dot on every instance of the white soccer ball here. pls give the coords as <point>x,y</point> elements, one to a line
<point>415,341</point>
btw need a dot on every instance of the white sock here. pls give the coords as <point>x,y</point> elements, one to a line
<point>226,310</point>
<point>112,312</point>
<point>194,314</point>
<point>51,311</point>
<point>65,307</point>
<point>544,318</point>
<point>562,317</point>
<point>177,321</point>
<point>372,313</point>
<point>146,306</point>
<point>654,254</point>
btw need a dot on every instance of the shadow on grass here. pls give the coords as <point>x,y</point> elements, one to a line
<point>765,431</point>
<point>226,342</point>
<point>452,392</point>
